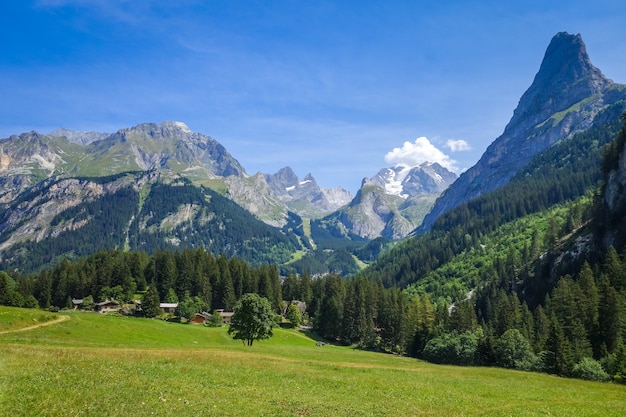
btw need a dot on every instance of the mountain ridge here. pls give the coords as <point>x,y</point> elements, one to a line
<point>565,96</point>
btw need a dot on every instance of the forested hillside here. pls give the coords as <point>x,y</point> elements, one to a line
<point>563,173</point>
<point>131,211</point>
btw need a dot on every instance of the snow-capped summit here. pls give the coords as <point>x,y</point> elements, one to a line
<point>405,181</point>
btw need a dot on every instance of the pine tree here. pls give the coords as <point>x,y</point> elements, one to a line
<point>542,328</point>
<point>225,290</point>
<point>306,293</point>
<point>609,321</point>
<point>612,267</point>
<point>151,301</point>
<point>589,300</point>
<point>4,288</point>
<point>330,316</point>
<point>557,355</point>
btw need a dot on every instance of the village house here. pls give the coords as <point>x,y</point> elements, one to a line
<point>201,318</point>
<point>107,306</point>
<point>226,316</point>
<point>204,317</point>
<point>168,307</point>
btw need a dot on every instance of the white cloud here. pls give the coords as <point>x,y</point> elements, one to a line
<point>413,154</point>
<point>458,145</point>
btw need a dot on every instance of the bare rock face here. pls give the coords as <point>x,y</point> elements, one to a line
<point>29,158</point>
<point>615,190</point>
<point>305,197</point>
<point>254,194</point>
<point>612,218</point>
<point>564,98</point>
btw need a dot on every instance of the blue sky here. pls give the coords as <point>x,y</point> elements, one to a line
<point>339,89</point>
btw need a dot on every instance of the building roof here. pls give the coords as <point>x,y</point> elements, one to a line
<point>168,305</point>
<point>108,302</point>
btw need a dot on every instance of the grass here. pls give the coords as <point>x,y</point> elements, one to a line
<point>93,365</point>
<point>16,318</point>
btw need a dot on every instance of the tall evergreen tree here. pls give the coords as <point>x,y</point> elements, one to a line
<point>151,301</point>
<point>330,316</point>
<point>609,320</point>
<point>225,290</point>
<point>614,270</point>
<point>589,299</point>
<point>557,356</point>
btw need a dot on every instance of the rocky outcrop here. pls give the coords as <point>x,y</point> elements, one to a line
<point>254,194</point>
<point>305,197</point>
<point>564,98</point>
<point>612,220</point>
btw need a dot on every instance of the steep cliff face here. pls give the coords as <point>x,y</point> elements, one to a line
<point>564,98</point>
<point>613,217</point>
<point>255,195</point>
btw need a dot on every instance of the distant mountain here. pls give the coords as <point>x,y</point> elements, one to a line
<point>391,203</point>
<point>564,98</point>
<point>81,138</point>
<point>304,197</point>
<point>404,181</point>
<point>31,157</point>
<point>45,177</point>
<point>168,145</point>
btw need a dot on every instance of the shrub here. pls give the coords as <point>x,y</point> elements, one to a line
<point>512,350</point>
<point>590,370</point>
<point>454,349</point>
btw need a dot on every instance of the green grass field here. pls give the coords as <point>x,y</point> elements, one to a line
<point>93,365</point>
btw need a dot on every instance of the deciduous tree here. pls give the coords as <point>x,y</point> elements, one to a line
<point>253,319</point>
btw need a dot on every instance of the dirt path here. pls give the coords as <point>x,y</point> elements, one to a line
<point>47,323</point>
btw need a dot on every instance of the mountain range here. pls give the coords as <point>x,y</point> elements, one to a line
<point>60,183</point>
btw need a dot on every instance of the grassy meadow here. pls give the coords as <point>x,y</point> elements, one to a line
<point>94,365</point>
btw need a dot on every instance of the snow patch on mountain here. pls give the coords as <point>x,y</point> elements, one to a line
<point>405,181</point>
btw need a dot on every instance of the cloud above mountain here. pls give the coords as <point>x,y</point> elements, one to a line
<point>458,145</point>
<point>420,151</point>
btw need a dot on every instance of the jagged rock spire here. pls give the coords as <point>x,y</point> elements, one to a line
<point>564,98</point>
<point>565,77</point>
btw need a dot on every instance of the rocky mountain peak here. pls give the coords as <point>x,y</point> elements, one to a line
<point>566,76</point>
<point>81,138</point>
<point>564,98</point>
<point>285,177</point>
<point>405,181</point>
<point>162,130</point>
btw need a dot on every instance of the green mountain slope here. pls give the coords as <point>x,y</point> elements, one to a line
<point>564,172</point>
<point>142,211</point>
